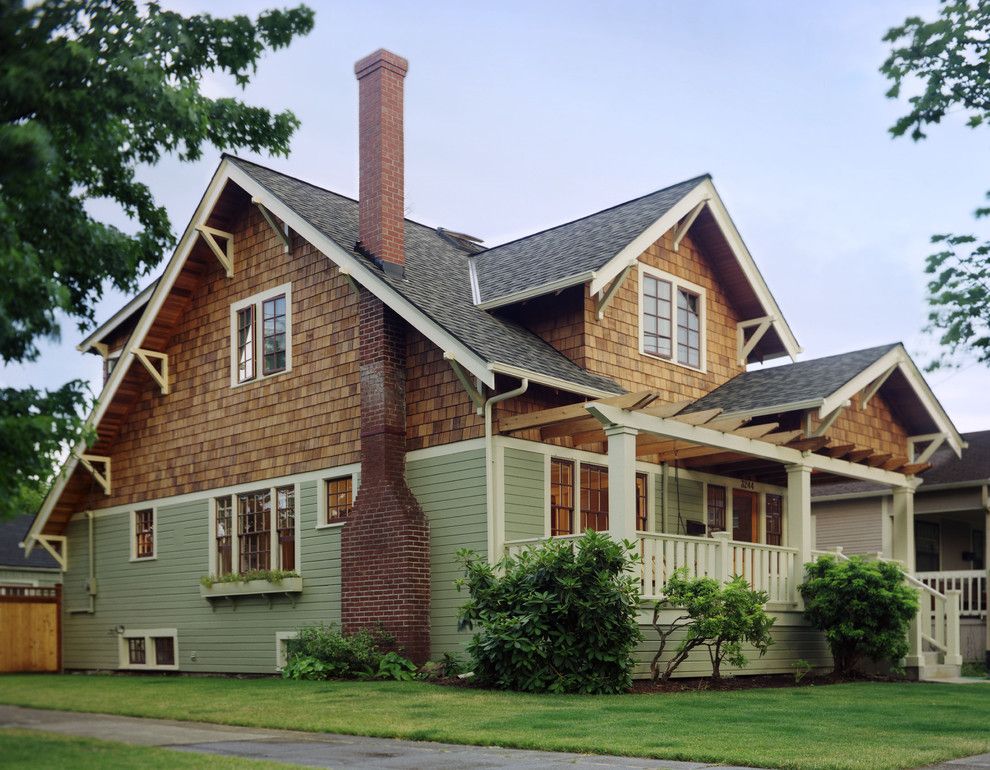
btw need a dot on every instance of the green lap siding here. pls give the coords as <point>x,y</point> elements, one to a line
<point>684,496</point>
<point>451,490</point>
<point>525,488</point>
<point>164,592</point>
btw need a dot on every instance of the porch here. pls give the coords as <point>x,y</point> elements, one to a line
<point>756,524</point>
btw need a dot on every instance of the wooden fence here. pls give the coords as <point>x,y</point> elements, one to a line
<point>30,628</point>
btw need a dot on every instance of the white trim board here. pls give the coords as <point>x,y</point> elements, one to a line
<point>117,318</point>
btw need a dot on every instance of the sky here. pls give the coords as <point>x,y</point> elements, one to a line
<point>522,115</point>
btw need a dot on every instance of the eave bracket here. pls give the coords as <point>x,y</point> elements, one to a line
<point>60,554</point>
<point>159,375</point>
<point>685,224</point>
<point>282,232</point>
<point>743,346</point>
<point>470,388</point>
<point>224,255</point>
<point>102,476</point>
<point>606,295</point>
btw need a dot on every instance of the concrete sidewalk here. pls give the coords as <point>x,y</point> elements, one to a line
<point>341,751</point>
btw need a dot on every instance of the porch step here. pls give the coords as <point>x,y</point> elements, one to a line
<point>939,671</point>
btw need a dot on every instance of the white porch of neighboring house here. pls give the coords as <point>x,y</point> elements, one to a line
<point>639,425</point>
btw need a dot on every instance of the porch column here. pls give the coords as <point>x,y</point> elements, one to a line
<point>621,482</point>
<point>799,514</point>
<point>902,535</point>
<point>986,566</point>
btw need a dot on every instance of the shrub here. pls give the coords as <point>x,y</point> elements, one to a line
<point>719,617</point>
<point>323,652</point>
<point>863,607</point>
<point>449,666</point>
<point>557,618</point>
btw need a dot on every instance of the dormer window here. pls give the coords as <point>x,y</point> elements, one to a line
<point>672,318</point>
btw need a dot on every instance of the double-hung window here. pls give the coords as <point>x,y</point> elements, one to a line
<point>672,318</point>
<point>255,531</point>
<point>143,538</point>
<point>578,497</point>
<point>340,498</point>
<point>261,335</point>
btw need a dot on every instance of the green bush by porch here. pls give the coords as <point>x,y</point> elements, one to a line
<point>868,726</point>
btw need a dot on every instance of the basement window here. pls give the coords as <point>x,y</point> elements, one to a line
<point>261,331</point>
<point>672,318</point>
<point>148,649</point>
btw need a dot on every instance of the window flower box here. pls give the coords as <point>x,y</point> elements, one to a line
<point>287,586</point>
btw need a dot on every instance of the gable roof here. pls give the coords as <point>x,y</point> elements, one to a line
<point>12,532</point>
<point>597,248</point>
<point>437,282</point>
<point>828,383</point>
<point>571,252</point>
<point>791,385</point>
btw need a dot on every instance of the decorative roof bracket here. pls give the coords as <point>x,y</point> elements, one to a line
<point>606,295</point>
<point>281,232</point>
<point>159,376</point>
<point>102,478</point>
<point>224,255</point>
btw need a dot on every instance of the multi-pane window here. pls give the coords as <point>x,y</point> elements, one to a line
<point>135,651</point>
<point>688,328</point>
<point>273,339</point>
<point>144,534</point>
<point>164,650</point>
<point>223,534</point>
<point>561,497</point>
<point>927,545</point>
<point>340,498</point>
<point>775,519</point>
<point>642,503</point>
<point>245,344</point>
<point>254,530</point>
<point>285,518</point>
<point>656,317</point>
<point>594,497</point>
<point>261,335</point>
<point>716,508</point>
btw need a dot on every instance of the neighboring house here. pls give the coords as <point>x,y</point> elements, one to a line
<point>952,516</point>
<point>16,569</point>
<point>320,386</point>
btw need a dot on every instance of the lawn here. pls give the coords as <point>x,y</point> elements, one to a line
<point>861,726</point>
<point>30,750</point>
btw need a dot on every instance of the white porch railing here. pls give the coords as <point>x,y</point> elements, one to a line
<point>972,585</point>
<point>767,568</point>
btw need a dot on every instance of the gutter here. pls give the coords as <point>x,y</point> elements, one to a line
<point>490,466</point>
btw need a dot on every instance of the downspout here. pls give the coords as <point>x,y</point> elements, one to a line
<point>490,464</point>
<point>91,582</point>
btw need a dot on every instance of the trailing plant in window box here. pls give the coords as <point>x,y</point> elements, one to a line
<point>864,608</point>
<point>719,617</point>
<point>275,576</point>
<point>557,618</point>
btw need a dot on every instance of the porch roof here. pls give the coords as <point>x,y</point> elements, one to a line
<point>669,432</point>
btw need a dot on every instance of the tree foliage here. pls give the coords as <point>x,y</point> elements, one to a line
<point>89,91</point>
<point>863,607</point>
<point>949,60</point>
<point>557,618</point>
<point>718,617</point>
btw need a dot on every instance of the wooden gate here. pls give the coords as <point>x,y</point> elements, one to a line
<point>30,628</point>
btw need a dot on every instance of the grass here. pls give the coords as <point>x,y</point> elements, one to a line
<point>31,750</point>
<point>860,726</point>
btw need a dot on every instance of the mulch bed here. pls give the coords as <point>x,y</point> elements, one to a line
<point>756,682</point>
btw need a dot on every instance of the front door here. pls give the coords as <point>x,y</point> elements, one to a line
<point>745,520</point>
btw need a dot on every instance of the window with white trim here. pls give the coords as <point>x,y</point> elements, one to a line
<point>339,498</point>
<point>144,535</point>
<point>261,333</point>
<point>149,649</point>
<point>672,318</point>
<point>256,530</point>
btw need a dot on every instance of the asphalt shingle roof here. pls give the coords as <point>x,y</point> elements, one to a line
<point>574,248</point>
<point>437,281</point>
<point>791,383</point>
<point>12,532</point>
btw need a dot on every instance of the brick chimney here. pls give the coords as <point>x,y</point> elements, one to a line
<point>382,210</point>
<point>385,544</point>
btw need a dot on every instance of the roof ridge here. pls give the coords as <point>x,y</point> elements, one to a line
<point>695,179</point>
<point>318,187</point>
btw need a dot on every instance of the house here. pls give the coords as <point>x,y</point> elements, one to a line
<point>952,516</point>
<point>37,569</point>
<point>319,386</point>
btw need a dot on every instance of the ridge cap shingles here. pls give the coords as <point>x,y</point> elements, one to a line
<point>573,248</point>
<point>436,282</point>
<point>790,383</point>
